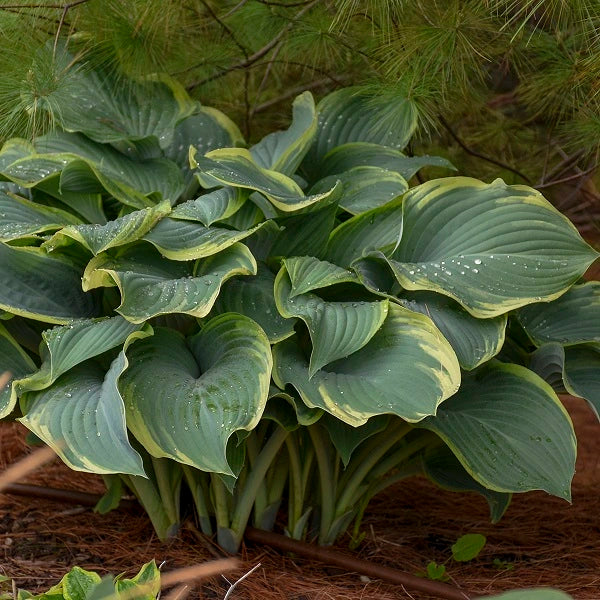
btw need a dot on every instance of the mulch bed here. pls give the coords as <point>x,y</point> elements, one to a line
<point>540,541</point>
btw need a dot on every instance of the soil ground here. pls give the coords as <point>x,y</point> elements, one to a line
<point>541,540</point>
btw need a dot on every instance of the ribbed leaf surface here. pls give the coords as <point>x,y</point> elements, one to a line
<point>151,285</point>
<point>283,151</point>
<point>406,369</point>
<point>348,116</point>
<point>20,217</point>
<point>337,329</point>
<point>82,417</point>
<point>364,188</point>
<point>571,319</point>
<point>474,340</point>
<point>70,345</point>
<point>91,167</point>
<point>186,240</point>
<point>493,248</point>
<point>253,297</point>
<point>211,207</point>
<point>510,431</point>
<point>124,230</point>
<point>307,273</point>
<point>200,393</point>
<point>372,230</point>
<point>361,154</point>
<point>41,287</point>
<point>234,166</point>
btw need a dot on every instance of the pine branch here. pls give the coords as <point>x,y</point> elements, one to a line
<point>259,53</point>
<point>472,152</point>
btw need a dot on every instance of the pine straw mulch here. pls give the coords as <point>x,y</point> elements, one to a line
<point>543,540</point>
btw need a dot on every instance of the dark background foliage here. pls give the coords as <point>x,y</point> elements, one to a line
<point>501,87</point>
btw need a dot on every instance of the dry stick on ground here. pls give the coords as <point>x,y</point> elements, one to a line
<point>24,466</point>
<point>233,585</point>
<point>331,557</point>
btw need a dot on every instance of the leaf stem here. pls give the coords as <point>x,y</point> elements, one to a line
<point>255,477</point>
<point>327,481</point>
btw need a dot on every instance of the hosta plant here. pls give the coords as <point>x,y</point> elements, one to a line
<point>79,584</point>
<point>285,328</point>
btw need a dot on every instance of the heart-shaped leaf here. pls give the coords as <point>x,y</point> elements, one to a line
<point>337,329</point>
<point>503,452</point>
<point>201,393</point>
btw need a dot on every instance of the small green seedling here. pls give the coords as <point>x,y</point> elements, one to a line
<point>466,548</point>
<point>503,565</point>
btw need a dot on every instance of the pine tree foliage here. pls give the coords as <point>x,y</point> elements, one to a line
<point>512,80</point>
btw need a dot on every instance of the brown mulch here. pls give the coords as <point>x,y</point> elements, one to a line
<point>540,541</point>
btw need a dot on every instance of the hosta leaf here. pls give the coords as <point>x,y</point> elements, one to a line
<point>304,233</point>
<point>253,297</point>
<point>347,439</point>
<point>445,470</point>
<point>20,217</point>
<point>337,329</point>
<point>548,362</point>
<point>69,345</point>
<point>15,361</point>
<point>247,216</point>
<point>406,369</point>
<point>475,341</point>
<point>575,369</point>
<point>235,167</point>
<point>186,240</point>
<point>82,417</point>
<point>151,285</point>
<point>375,274</point>
<point>493,248</point>
<point>364,188</point>
<point>372,230</point>
<point>347,115</point>
<point>207,129</point>
<point>212,206</point>
<point>200,394</point>
<point>361,154</point>
<point>124,230</point>
<point>148,579</point>
<point>41,287</point>
<point>13,150</point>
<point>289,411</point>
<point>78,583</point>
<point>510,431</point>
<point>533,594</point>
<point>307,273</point>
<point>31,170</point>
<point>582,373</point>
<point>105,110</point>
<point>571,319</point>
<point>91,167</point>
<point>89,206</point>
<point>283,151</point>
